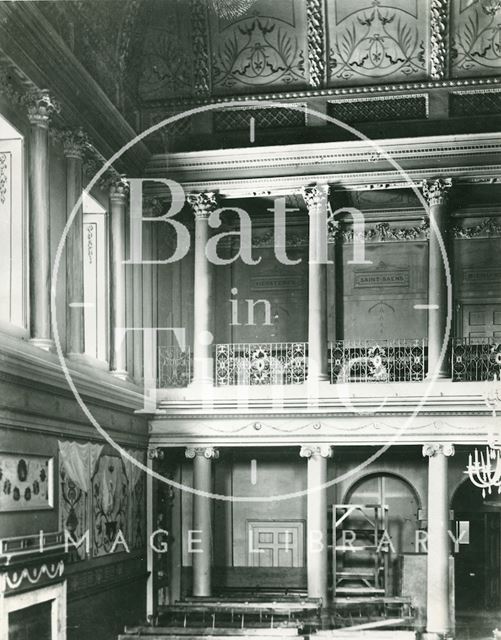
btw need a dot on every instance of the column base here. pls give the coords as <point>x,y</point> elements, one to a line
<point>47,344</point>
<point>431,635</point>
<point>121,375</point>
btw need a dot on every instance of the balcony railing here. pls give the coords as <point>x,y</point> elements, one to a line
<point>377,361</point>
<point>261,363</point>
<point>475,359</point>
<point>174,367</point>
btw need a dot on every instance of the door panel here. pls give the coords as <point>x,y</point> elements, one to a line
<point>481,321</point>
<point>275,544</point>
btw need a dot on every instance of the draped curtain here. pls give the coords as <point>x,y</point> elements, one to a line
<point>80,460</point>
<point>132,471</point>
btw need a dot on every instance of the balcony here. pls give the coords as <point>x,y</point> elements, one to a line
<point>350,361</point>
<point>475,359</point>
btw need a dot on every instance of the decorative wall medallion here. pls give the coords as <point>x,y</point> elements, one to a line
<point>26,482</point>
<point>369,40</point>
<point>257,51</point>
<point>476,43</point>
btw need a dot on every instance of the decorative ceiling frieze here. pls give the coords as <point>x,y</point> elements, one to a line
<point>316,43</point>
<point>475,38</point>
<point>486,228</point>
<point>439,20</point>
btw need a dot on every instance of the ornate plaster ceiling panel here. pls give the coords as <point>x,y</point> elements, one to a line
<point>265,48</point>
<point>476,37</point>
<point>373,41</point>
<point>167,60</point>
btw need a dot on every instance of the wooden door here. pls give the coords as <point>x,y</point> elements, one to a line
<point>481,321</point>
<point>275,544</point>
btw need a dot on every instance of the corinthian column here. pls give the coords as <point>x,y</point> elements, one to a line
<point>316,199</point>
<point>118,199</point>
<point>438,614</point>
<point>437,194</point>
<point>40,108</point>
<point>74,144</point>
<point>316,526</point>
<point>203,310</point>
<point>201,541</point>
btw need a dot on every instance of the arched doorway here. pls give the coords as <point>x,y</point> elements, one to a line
<point>392,504</point>
<point>478,560</point>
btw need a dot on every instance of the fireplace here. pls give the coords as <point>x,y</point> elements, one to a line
<point>31,622</point>
<point>32,588</point>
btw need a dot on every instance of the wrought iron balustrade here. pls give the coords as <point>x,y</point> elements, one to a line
<point>174,367</point>
<point>475,359</point>
<point>261,363</point>
<point>377,361</point>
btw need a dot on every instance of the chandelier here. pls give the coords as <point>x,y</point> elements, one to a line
<point>484,470</point>
<point>230,9</point>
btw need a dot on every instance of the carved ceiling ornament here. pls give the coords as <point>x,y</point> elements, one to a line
<point>316,42</point>
<point>200,41</point>
<point>119,188</point>
<point>209,453</point>
<point>203,204</point>
<point>313,451</point>
<point>41,106</point>
<point>75,142</point>
<point>439,19</point>
<point>430,450</point>
<point>3,178</point>
<point>436,191</point>
<point>371,40</point>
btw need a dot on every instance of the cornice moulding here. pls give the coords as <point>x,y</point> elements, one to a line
<point>22,361</point>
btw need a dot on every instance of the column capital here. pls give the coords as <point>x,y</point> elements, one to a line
<point>119,188</point>
<point>433,449</point>
<point>315,196</point>
<point>436,191</point>
<point>316,450</point>
<point>203,204</point>
<point>75,141</point>
<point>204,452</point>
<point>41,106</point>
<point>155,453</point>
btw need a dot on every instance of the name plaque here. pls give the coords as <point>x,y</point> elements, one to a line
<point>369,279</point>
<point>481,276</point>
<point>279,283</point>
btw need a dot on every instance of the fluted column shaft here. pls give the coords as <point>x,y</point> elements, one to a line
<point>118,201</point>
<point>73,145</point>
<point>40,108</point>
<point>202,518</point>
<point>203,310</point>
<point>316,525</point>
<point>316,199</point>
<point>437,595</point>
<point>437,194</point>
